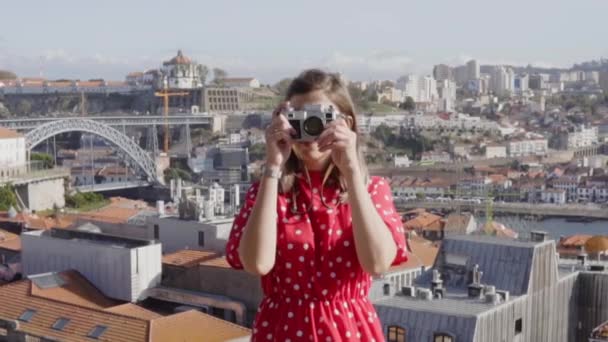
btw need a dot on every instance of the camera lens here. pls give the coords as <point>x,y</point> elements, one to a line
<point>313,125</point>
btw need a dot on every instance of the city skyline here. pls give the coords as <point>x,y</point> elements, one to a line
<point>67,39</point>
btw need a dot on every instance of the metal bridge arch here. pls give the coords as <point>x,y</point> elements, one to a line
<point>117,138</point>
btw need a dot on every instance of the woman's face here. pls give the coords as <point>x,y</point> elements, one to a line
<point>308,152</point>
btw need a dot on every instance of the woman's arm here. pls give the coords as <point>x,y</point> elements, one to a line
<point>257,249</point>
<point>376,248</point>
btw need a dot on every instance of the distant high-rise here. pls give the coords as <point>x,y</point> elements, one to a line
<point>442,72</point>
<point>461,75</point>
<point>472,70</point>
<point>603,80</point>
<point>419,88</point>
<point>502,81</point>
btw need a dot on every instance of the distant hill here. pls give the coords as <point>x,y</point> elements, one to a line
<point>593,65</point>
<point>7,75</point>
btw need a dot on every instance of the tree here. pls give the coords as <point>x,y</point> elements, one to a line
<point>7,197</point>
<point>282,86</point>
<point>218,76</point>
<point>383,133</point>
<point>409,104</point>
<point>46,160</point>
<point>7,75</point>
<point>203,71</point>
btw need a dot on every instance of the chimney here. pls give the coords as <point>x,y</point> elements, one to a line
<point>538,236</point>
<point>386,289</point>
<point>475,287</point>
<point>437,285</point>
<point>491,296</point>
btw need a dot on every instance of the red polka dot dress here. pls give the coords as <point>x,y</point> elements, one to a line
<point>317,290</point>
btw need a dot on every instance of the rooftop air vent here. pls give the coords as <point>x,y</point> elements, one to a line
<point>538,236</point>
<point>424,294</point>
<point>408,291</point>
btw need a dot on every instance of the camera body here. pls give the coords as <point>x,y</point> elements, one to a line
<point>310,122</point>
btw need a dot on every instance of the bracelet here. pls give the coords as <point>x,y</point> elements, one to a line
<point>272,173</point>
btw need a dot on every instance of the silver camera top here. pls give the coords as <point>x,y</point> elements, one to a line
<point>310,122</point>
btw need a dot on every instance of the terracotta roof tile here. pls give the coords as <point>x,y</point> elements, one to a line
<point>135,311</point>
<point>10,241</point>
<point>422,253</point>
<point>574,240</point>
<point>188,257</point>
<point>424,221</point>
<point>6,133</point>
<point>195,326</point>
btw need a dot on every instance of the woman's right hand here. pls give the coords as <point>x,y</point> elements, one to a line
<point>278,138</point>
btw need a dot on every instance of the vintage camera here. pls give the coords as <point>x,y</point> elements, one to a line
<point>310,122</point>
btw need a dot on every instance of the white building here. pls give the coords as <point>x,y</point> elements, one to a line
<point>472,70</point>
<point>419,88</point>
<point>446,95</point>
<point>175,234</point>
<point>555,196</point>
<point>582,136</point>
<point>216,196</point>
<point>496,151</point>
<point>502,81</point>
<point>242,82</point>
<point>402,161</point>
<point>121,268</point>
<point>525,147</point>
<point>522,83</point>
<point>181,73</point>
<point>13,156</point>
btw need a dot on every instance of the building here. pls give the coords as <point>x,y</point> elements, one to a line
<point>175,234</point>
<point>536,82</point>
<point>232,294</point>
<point>521,83</point>
<point>442,72</point>
<point>401,161</point>
<point>13,159</point>
<point>495,151</point>
<point>553,196</point>
<point>243,82</point>
<point>526,147</point>
<point>603,80</point>
<point>461,74</point>
<point>502,81</point>
<point>122,268</point>
<point>569,184</point>
<point>580,136</point>
<point>180,72</point>
<point>435,157</point>
<point>472,70</point>
<point>484,288</point>
<point>460,224</point>
<point>220,99</point>
<point>419,88</point>
<point>65,306</point>
<point>446,95</point>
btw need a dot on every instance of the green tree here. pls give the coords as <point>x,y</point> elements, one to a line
<point>7,75</point>
<point>383,133</point>
<point>177,173</point>
<point>7,197</point>
<point>409,104</point>
<point>218,76</point>
<point>46,160</point>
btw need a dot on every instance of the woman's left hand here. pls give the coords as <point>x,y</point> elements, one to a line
<point>342,142</point>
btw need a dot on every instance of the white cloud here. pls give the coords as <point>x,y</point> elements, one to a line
<point>381,62</point>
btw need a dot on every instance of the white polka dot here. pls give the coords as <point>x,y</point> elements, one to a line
<point>290,314</point>
<point>288,265</point>
<point>289,246</point>
<point>285,327</point>
<point>297,287</point>
<point>330,231</point>
<point>332,274</point>
<point>348,264</point>
<point>339,231</point>
<point>324,292</point>
<point>322,226</point>
<point>338,259</point>
<point>264,324</point>
<point>298,232</point>
<point>328,339</point>
<point>288,280</point>
<point>315,190</point>
<point>320,332</point>
<point>336,312</point>
<point>312,305</point>
<point>269,337</point>
<point>346,243</point>
<point>283,208</point>
<point>299,333</point>
<point>331,264</point>
<point>347,334</point>
<point>301,258</point>
<point>305,246</point>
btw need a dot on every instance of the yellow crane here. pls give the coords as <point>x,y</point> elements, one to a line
<point>165,94</point>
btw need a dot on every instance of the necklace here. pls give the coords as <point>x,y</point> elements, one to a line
<point>307,209</point>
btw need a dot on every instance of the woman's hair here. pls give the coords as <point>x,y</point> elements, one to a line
<point>334,88</point>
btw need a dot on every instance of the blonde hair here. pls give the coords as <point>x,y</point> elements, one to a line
<point>332,86</point>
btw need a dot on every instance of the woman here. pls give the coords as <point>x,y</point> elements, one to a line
<point>316,227</point>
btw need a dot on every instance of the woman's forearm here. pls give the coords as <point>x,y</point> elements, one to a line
<point>257,249</point>
<point>374,243</point>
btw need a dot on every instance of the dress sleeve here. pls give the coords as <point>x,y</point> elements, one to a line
<point>382,197</point>
<point>240,220</point>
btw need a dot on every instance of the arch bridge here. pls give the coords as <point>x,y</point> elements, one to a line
<point>140,158</point>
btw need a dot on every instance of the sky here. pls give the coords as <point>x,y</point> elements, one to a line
<point>274,39</point>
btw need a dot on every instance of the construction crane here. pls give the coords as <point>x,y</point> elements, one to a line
<point>165,94</point>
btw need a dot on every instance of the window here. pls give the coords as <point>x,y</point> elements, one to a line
<point>156,232</point>
<point>97,331</point>
<point>27,315</point>
<point>396,334</point>
<point>60,323</point>
<point>518,326</point>
<point>443,337</point>
<point>201,239</point>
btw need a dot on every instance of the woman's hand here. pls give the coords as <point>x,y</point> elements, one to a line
<point>278,138</point>
<point>342,141</point>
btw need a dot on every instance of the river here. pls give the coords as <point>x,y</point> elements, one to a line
<point>556,227</point>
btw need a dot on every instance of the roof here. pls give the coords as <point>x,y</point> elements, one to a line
<point>33,221</point>
<point>421,253</point>
<point>195,326</point>
<point>188,258</point>
<point>120,210</point>
<point>455,223</point>
<point>123,322</point>
<point>6,133</point>
<point>601,332</point>
<point>597,244</point>
<point>179,59</point>
<point>500,230</point>
<point>424,221</point>
<point>574,240</point>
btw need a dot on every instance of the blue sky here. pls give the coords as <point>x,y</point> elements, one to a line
<point>273,39</point>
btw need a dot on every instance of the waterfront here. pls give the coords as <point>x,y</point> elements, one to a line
<point>556,227</point>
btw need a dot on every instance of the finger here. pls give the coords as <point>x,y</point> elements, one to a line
<point>327,131</point>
